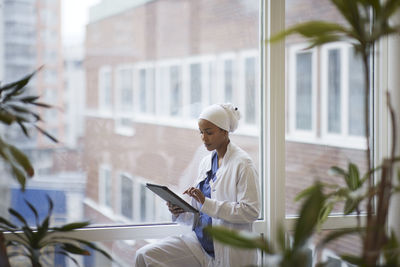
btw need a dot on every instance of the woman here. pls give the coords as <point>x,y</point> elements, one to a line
<point>226,193</point>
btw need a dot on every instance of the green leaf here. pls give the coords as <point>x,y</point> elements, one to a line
<point>391,250</point>
<point>312,30</point>
<point>71,226</point>
<point>335,170</point>
<point>325,211</point>
<point>6,118</point>
<point>46,134</point>
<point>356,260</point>
<point>74,249</point>
<point>32,208</point>
<point>19,108</point>
<point>14,87</point>
<point>8,223</point>
<point>23,128</point>
<point>354,177</point>
<point>43,105</point>
<point>28,99</point>
<point>351,205</point>
<point>309,214</point>
<point>304,193</point>
<point>93,246</point>
<point>51,205</point>
<point>234,238</point>
<point>19,175</point>
<point>22,160</point>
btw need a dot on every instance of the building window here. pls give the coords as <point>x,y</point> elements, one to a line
<point>105,188</point>
<point>342,96</point>
<point>124,117</point>
<point>302,93</point>
<point>356,121</point>
<point>228,80</point>
<point>105,89</point>
<point>334,91</point>
<point>195,86</point>
<point>125,89</point>
<point>176,93</point>
<point>146,90</point>
<point>126,207</point>
<point>250,89</point>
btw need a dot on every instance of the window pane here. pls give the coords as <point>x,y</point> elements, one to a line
<point>228,79</point>
<point>356,96</point>
<point>303,91</point>
<point>126,197</point>
<point>195,90</point>
<point>251,89</point>
<point>152,78</point>
<point>324,101</point>
<point>176,91</point>
<point>334,92</point>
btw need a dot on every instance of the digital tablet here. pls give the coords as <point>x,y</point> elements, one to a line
<point>169,196</point>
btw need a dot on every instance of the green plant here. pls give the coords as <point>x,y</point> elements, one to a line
<point>17,107</point>
<point>285,254</point>
<point>366,22</point>
<point>44,239</point>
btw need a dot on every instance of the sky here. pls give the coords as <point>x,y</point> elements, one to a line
<point>75,15</point>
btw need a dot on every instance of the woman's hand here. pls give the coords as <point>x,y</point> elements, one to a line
<point>196,194</point>
<point>174,209</point>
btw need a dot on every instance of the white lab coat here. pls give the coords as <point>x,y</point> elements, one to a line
<point>234,203</point>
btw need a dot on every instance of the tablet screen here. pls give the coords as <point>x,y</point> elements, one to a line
<point>166,194</point>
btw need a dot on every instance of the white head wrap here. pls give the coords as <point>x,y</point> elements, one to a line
<point>225,116</point>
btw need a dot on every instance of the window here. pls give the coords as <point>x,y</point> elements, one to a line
<point>105,188</point>
<point>125,90</point>
<point>166,152</point>
<point>324,107</point>
<point>146,89</point>
<point>105,90</point>
<point>196,88</point>
<point>175,85</point>
<point>124,123</point>
<point>250,87</point>
<point>343,97</point>
<point>302,95</point>
<point>228,80</point>
<point>126,204</point>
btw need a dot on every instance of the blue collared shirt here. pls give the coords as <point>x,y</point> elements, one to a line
<point>204,220</point>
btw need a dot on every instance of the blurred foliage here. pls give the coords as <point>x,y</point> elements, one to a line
<point>18,107</point>
<point>295,253</point>
<point>35,243</point>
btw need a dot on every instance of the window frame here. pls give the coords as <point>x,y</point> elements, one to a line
<point>103,109</point>
<point>272,142</point>
<point>102,186</point>
<point>342,139</point>
<point>121,114</point>
<point>242,57</point>
<point>295,134</point>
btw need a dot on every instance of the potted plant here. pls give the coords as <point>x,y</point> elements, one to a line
<point>367,21</point>
<point>16,108</point>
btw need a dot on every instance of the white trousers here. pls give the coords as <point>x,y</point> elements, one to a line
<point>173,252</point>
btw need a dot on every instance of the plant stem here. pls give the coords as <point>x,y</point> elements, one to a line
<point>3,252</point>
<point>365,59</point>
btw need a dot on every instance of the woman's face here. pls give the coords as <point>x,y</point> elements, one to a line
<point>212,136</point>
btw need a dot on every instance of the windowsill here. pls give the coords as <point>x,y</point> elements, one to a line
<point>344,142</point>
